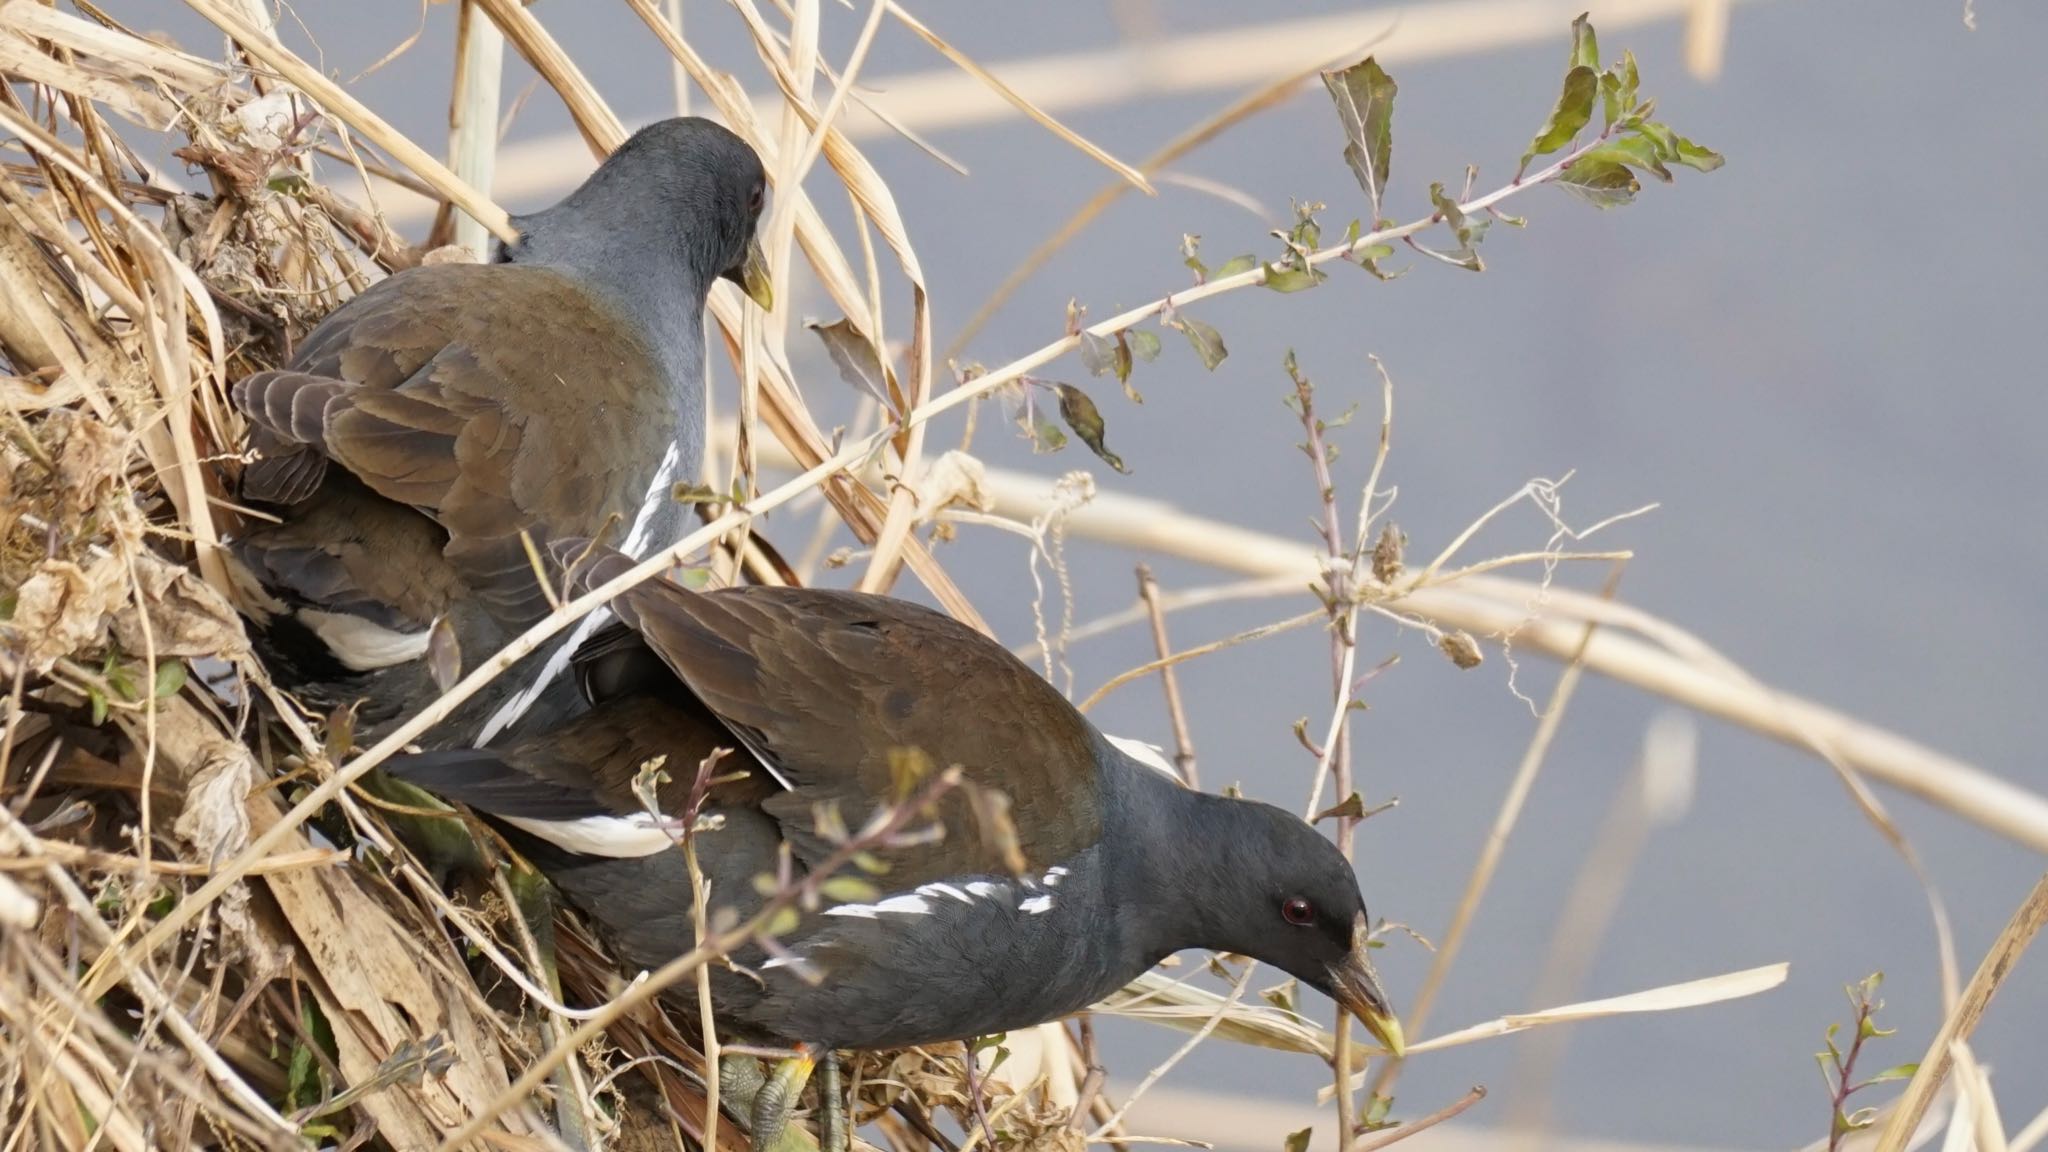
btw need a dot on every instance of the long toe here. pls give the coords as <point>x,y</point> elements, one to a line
<point>739,1084</point>
<point>775,1101</point>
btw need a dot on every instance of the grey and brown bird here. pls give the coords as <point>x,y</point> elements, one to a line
<point>433,424</point>
<point>818,694</point>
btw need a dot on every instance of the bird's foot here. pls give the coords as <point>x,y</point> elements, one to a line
<point>739,1082</point>
<point>776,1098</point>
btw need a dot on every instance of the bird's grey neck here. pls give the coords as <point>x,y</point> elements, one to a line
<point>1165,839</point>
<point>650,284</point>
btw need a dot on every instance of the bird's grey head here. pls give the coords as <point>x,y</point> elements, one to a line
<point>1278,891</point>
<point>684,193</point>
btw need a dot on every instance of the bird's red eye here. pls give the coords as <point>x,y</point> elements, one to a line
<point>1298,912</point>
<point>754,199</point>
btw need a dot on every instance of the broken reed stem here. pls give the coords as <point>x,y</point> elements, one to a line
<point>1962,1020</point>
<point>1199,650</point>
<point>1373,1141</point>
<point>1496,840</point>
<point>1183,739</point>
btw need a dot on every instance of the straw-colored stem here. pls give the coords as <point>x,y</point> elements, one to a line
<point>1962,1020</point>
<point>1504,822</point>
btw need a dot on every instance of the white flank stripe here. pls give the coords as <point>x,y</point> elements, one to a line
<point>361,645</point>
<point>558,661</point>
<point>909,904</point>
<point>781,961</point>
<point>1150,755</point>
<point>618,837</point>
<point>983,888</point>
<point>1037,905</point>
<point>946,890</point>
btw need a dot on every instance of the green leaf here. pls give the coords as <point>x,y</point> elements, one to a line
<point>1190,244</point>
<point>1675,149</point>
<point>98,700</point>
<point>1284,278</point>
<point>1369,258</point>
<point>1698,157</point>
<point>1900,1072</point>
<point>1123,365</point>
<point>782,923</point>
<point>1046,438</point>
<point>1364,95</point>
<point>1585,45</point>
<point>1601,183</point>
<point>1574,109</point>
<point>1297,1141</point>
<point>1208,341</point>
<point>1306,233</point>
<point>170,678</point>
<point>298,1078</point>
<point>1618,89</point>
<point>848,890</point>
<point>1085,419</point>
<point>1098,353</point>
<point>1237,264</point>
<point>1144,345</point>
<point>1610,98</point>
<point>122,681</point>
<point>1638,152</point>
<point>1470,230</point>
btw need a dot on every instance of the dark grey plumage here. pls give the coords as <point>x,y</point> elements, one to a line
<point>812,690</point>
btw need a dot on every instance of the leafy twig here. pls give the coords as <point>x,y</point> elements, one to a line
<point>1838,1068</point>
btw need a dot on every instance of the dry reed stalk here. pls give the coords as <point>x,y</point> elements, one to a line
<point>1963,1018</point>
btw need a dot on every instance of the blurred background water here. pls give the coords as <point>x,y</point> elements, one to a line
<point>1822,362</point>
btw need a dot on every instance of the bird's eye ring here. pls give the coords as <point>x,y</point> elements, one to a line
<point>755,198</point>
<point>1298,912</point>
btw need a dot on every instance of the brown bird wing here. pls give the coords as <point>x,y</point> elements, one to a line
<point>822,686</point>
<point>496,399</point>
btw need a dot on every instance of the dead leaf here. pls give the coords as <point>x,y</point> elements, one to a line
<point>955,479</point>
<point>854,355</point>
<point>62,608</point>
<point>1463,650</point>
<point>187,617</point>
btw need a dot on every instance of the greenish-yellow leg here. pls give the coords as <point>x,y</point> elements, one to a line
<point>739,1083</point>
<point>777,1098</point>
<point>835,1112</point>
